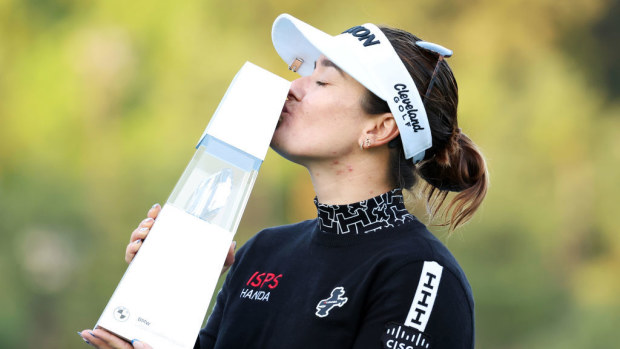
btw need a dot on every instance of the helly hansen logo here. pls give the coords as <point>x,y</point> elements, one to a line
<point>334,300</point>
<point>424,298</point>
<point>363,34</point>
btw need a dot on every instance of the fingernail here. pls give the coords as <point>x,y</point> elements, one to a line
<point>134,340</point>
<point>144,221</point>
<point>155,205</point>
<point>143,229</point>
<point>137,344</point>
<point>92,334</point>
<point>85,340</point>
<point>137,241</point>
<point>79,333</point>
<point>234,245</point>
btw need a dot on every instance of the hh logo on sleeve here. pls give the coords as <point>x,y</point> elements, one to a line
<point>424,298</point>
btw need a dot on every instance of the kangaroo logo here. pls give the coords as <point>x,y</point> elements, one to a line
<point>334,300</point>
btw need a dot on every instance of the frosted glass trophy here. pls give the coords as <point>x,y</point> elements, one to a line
<point>164,295</point>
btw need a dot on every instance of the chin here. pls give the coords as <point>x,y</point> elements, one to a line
<point>283,152</point>
<point>276,145</point>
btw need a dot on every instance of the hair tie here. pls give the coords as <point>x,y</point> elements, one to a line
<point>454,141</point>
<point>456,135</point>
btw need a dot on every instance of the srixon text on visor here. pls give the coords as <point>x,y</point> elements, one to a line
<point>363,34</point>
<point>405,104</point>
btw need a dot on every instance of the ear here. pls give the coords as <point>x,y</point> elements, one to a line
<point>381,130</point>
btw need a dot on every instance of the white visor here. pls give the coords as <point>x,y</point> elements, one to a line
<point>366,54</point>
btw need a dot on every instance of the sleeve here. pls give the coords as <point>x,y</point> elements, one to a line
<point>421,305</point>
<point>208,335</point>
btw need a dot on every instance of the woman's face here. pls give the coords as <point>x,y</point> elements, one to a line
<point>322,118</point>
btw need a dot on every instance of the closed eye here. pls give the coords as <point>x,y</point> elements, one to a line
<point>321,83</point>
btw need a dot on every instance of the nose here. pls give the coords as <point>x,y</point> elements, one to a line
<point>297,89</point>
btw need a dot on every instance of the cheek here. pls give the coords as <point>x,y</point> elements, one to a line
<point>328,104</point>
<point>328,117</point>
<point>288,134</point>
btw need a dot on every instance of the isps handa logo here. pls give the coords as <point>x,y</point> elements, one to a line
<point>260,285</point>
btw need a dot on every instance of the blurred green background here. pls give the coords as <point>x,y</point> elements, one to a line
<point>102,102</point>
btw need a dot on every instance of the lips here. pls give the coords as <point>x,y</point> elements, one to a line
<point>284,110</point>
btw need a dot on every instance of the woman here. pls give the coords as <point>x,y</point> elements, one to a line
<point>366,273</point>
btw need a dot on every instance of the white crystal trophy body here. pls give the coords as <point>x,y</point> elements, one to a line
<point>164,295</point>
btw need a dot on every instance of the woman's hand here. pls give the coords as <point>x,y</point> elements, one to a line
<point>100,338</point>
<point>141,232</point>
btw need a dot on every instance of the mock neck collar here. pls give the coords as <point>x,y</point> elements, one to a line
<point>367,216</point>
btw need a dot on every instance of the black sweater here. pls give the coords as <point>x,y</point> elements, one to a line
<point>365,275</point>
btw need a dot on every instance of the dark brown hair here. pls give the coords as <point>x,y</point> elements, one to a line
<point>454,163</point>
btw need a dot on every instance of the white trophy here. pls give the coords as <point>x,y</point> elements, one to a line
<point>164,295</point>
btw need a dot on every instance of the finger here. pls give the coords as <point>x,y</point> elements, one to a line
<point>108,339</point>
<point>144,227</point>
<point>132,249</point>
<point>98,342</point>
<point>154,211</point>
<point>142,230</point>
<point>83,338</point>
<point>230,257</point>
<point>140,345</point>
<point>102,339</point>
<point>139,234</point>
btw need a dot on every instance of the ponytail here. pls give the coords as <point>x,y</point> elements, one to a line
<point>460,168</point>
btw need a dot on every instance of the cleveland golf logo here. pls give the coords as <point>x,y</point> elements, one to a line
<point>363,34</point>
<point>334,300</point>
<point>410,114</point>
